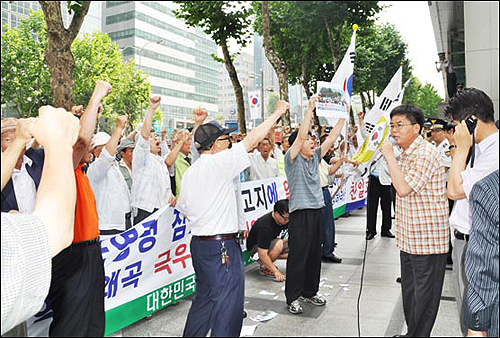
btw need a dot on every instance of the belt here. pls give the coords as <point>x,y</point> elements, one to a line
<point>219,237</point>
<point>87,243</point>
<point>324,188</point>
<point>460,236</point>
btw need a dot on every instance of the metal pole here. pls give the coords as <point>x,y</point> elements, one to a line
<point>262,94</point>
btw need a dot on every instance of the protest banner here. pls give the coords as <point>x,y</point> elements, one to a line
<point>149,267</point>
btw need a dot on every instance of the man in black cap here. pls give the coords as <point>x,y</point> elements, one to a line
<point>208,199</point>
<point>442,144</point>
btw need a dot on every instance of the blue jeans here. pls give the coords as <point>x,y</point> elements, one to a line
<point>328,238</point>
<point>220,291</point>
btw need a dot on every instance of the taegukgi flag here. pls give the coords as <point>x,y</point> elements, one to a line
<point>254,102</point>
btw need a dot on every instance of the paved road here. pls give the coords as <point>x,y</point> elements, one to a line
<point>380,308</point>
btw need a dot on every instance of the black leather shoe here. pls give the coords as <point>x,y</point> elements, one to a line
<point>388,234</point>
<point>370,236</point>
<point>333,259</point>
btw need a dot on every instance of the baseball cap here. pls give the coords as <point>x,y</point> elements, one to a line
<point>100,139</point>
<point>125,143</point>
<point>9,123</point>
<point>226,131</point>
<point>207,133</point>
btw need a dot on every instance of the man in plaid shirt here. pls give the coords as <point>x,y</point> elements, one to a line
<point>421,217</point>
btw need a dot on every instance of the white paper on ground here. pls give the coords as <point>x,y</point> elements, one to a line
<point>263,316</point>
<point>266,293</point>
<point>247,331</point>
<point>344,284</point>
<point>328,286</point>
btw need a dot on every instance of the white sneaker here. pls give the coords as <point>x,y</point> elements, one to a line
<point>295,307</point>
<point>315,300</point>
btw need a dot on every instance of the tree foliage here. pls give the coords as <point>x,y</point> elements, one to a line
<point>423,96</point>
<point>25,75</point>
<point>222,21</point>
<point>379,53</point>
<point>26,78</point>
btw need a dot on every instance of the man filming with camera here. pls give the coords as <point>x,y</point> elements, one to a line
<point>476,156</point>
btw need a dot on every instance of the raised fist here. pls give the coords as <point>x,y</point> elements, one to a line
<point>312,102</point>
<point>102,89</point>
<point>282,106</point>
<point>154,102</point>
<point>121,121</point>
<point>22,130</point>
<point>200,114</point>
<point>361,115</point>
<point>77,110</point>
<point>55,127</point>
<point>163,135</point>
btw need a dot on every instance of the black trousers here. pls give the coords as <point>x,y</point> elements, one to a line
<point>303,265</point>
<point>77,292</point>
<point>142,215</point>
<point>376,192</point>
<point>422,279</point>
<point>220,290</point>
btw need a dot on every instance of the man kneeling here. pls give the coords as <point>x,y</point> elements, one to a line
<point>263,238</point>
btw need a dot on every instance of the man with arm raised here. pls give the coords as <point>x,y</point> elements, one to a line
<point>306,218</point>
<point>209,200</point>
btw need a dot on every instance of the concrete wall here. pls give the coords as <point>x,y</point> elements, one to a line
<point>481,47</point>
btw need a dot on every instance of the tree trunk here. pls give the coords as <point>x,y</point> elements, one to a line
<point>363,101</point>
<point>278,64</point>
<point>238,90</point>
<point>58,52</point>
<point>334,43</point>
<point>306,78</point>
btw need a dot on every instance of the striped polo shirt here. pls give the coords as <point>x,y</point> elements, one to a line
<point>303,180</point>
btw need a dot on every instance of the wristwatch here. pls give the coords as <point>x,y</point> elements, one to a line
<point>451,146</point>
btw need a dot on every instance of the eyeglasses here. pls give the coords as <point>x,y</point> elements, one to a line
<point>400,126</point>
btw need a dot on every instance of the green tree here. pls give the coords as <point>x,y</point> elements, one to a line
<point>26,78</point>
<point>97,57</point>
<point>221,20</point>
<point>379,53</point>
<point>25,75</point>
<point>423,96</point>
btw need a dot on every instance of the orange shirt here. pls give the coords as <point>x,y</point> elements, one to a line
<point>86,220</point>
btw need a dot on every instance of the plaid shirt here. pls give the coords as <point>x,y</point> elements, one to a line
<point>422,216</point>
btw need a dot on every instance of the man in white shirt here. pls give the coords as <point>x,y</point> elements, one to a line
<point>126,151</point>
<point>110,189</point>
<point>442,143</point>
<point>475,107</point>
<point>151,188</point>
<point>209,200</point>
<point>262,164</point>
<point>20,191</point>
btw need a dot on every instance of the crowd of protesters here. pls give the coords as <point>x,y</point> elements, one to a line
<point>64,189</point>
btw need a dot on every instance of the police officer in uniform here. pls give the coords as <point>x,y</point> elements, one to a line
<point>442,143</point>
<point>209,200</point>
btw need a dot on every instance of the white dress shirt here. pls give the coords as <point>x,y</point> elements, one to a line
<point>209,192</point>
<point>485,163</point>
<point>150,178</point>
<point>24,187</point>
<point>111,192</point>
<point>261,169</point>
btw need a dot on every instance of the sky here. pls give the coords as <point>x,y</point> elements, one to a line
<point>412,19</point>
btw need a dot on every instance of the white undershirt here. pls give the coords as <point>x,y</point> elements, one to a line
<point>24,187</point>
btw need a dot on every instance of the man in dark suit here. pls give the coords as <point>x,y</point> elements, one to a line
<point>481,262</point>
<point>20,191</point>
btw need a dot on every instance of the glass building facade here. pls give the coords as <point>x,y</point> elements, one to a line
<point>177,58</point>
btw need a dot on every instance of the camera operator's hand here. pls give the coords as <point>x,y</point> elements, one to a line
<point>463,139</point>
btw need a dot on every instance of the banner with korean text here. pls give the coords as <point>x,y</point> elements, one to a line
<point>149,267</point>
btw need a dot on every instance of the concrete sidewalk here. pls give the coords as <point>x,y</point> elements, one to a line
<point>381,311</point>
